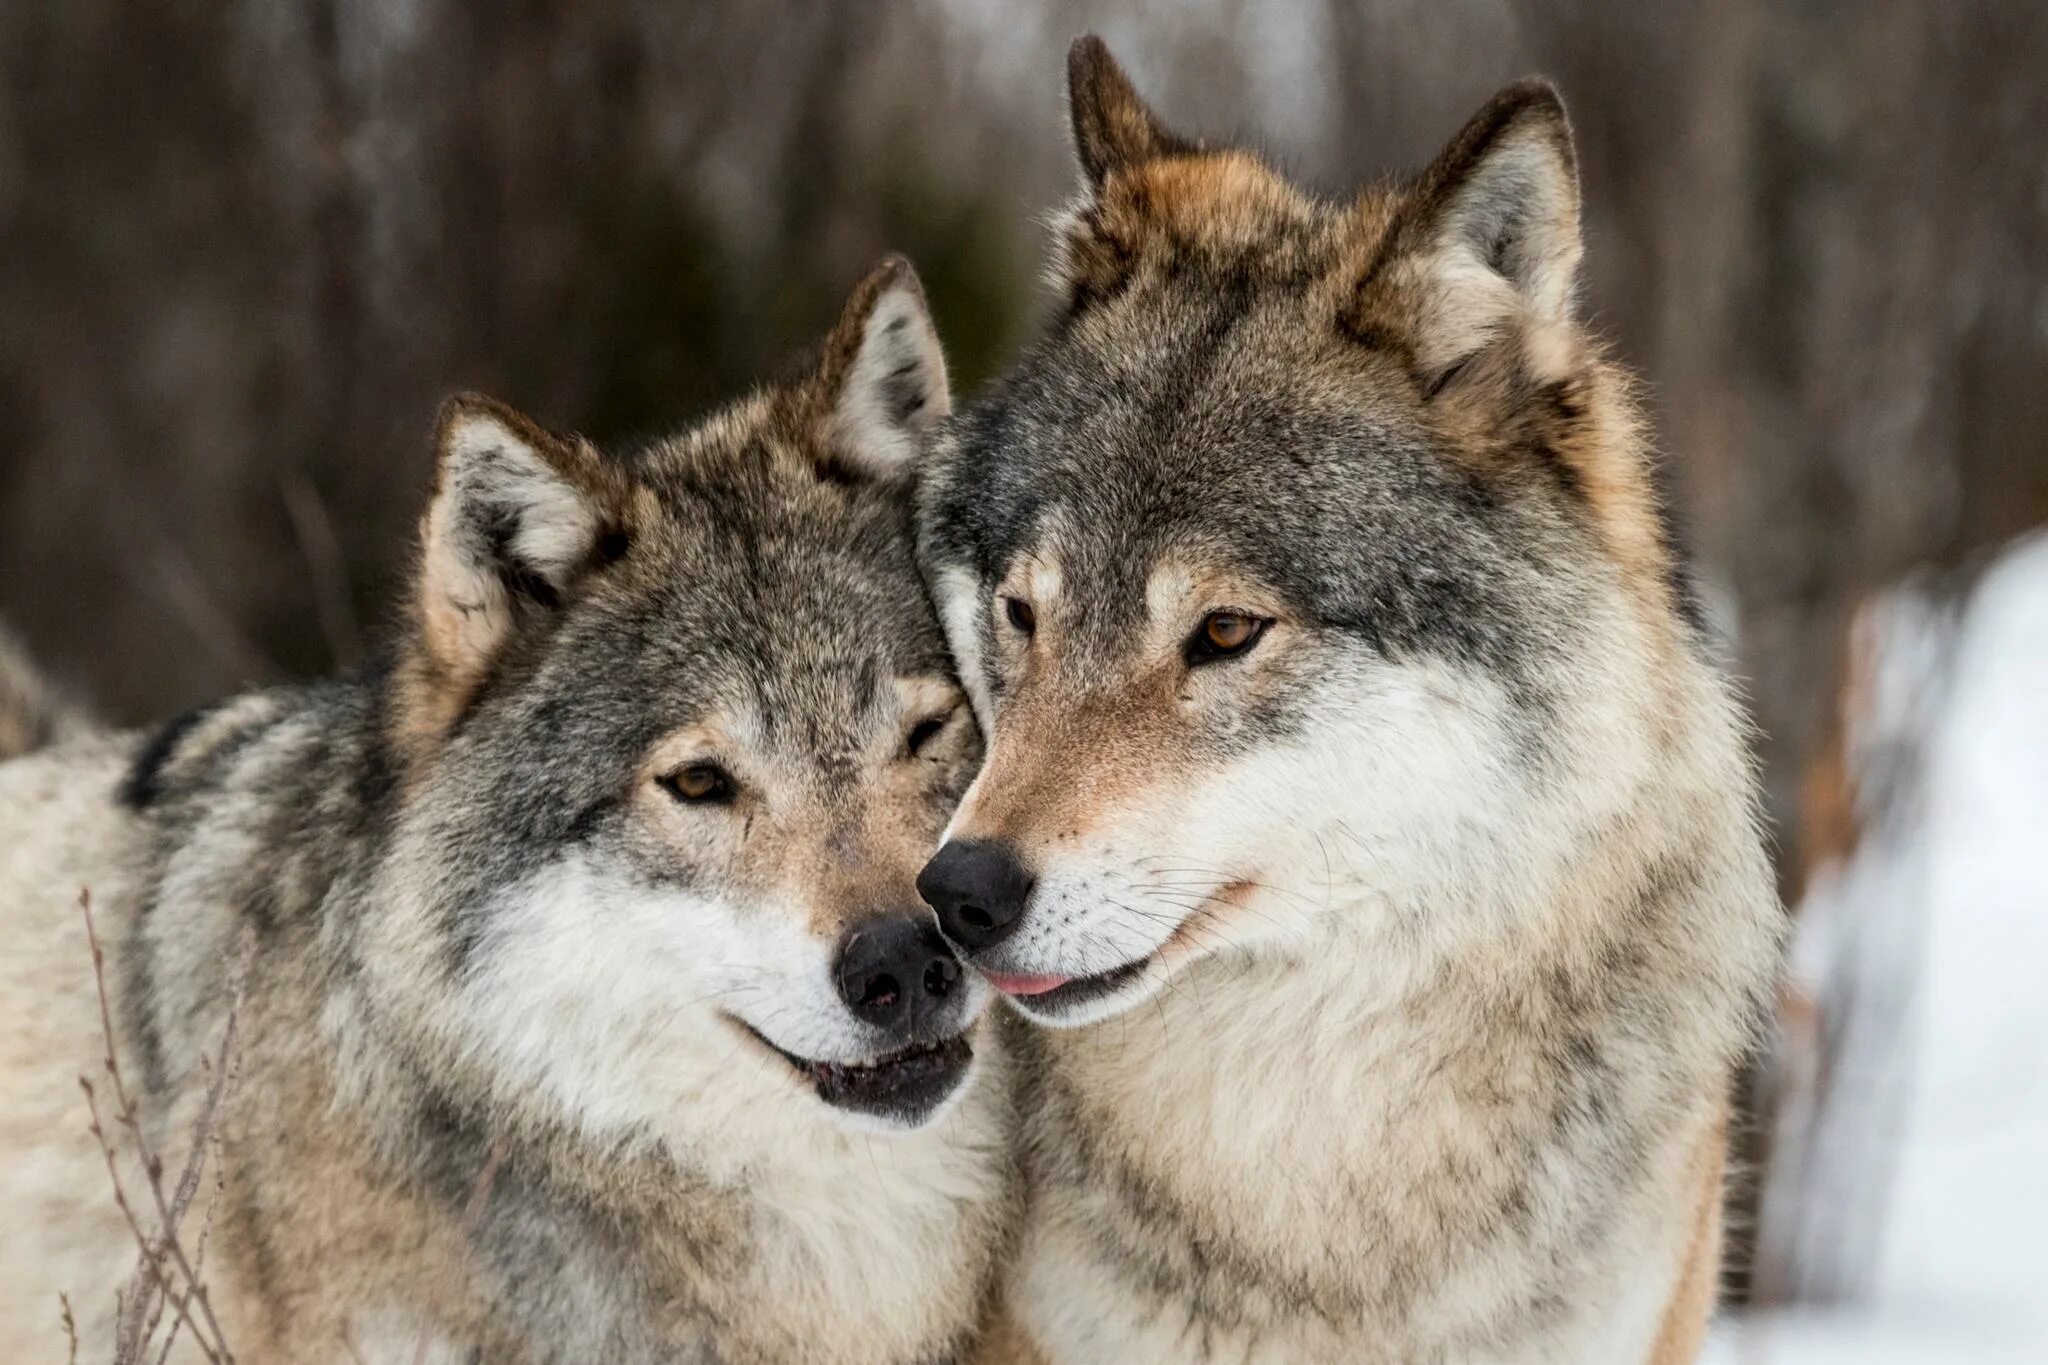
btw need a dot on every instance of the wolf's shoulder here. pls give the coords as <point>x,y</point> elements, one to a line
<point>249,743</point>
<point>86,769</point>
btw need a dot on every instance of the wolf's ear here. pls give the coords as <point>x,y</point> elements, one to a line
<point>883,379</point>
<point>1113,127</point>
<point>519,515</point>
<point>1488,239</point>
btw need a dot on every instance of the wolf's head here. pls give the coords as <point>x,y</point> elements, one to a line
<point>679,730</point>
<point>1308,561</point>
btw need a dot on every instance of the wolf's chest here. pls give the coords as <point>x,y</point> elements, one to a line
<point>1270,1185</point>
<point>884,1247</point>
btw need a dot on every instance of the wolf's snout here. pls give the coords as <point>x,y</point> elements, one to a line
<point>896,973</point>
<point>979,889</point>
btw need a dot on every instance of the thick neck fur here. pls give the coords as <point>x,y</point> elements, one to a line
<point>1429,1145</point>
<point>382,1192</point>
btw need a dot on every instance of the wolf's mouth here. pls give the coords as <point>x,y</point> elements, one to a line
<point>905,1086</point>
<point>1056,999</point>
<point>1033,996</point>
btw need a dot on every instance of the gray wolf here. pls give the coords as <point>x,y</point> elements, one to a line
<point>600,879</point>
<point>1365,818</point>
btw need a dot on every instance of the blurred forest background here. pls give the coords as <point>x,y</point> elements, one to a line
<point>246,247</point>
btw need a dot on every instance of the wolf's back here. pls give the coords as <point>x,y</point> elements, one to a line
<point>33,713</point>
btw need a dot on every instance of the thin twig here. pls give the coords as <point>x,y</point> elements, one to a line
<point>152,1164</point>
<point>213,1203</point>
<point>137,1317</point>
<point>205,1137</point>
<point>151,1265</point>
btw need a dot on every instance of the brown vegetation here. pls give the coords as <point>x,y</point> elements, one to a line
<point>166,1273</point>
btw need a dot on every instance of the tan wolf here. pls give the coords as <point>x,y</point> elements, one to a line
<point>600,879</point>
<point>1366,819</point>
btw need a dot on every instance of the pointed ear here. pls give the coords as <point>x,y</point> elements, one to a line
<point>519,516</point>
<point>883,379</point>
<point>1113,127</point>
<point>1488,241</point>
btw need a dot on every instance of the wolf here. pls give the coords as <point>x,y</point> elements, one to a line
<point>1367,827</point>
<point>591,1012</point>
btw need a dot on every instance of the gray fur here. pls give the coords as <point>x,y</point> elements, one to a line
<point>396,842</point>
<point>1446,902</point>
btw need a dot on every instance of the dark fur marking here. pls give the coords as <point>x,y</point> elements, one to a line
<point>261,908</point>
<point>833,468</point>
<point>250,1222</point>
<point>905,391</point>
<point>1680,580</point>
<point>520,579</point>
<point>586,822</point>
<point>523,581</point>
<point>1561,471</point>
<point>462,914</point>
<point>455,1145</point>
<point>138,1006</point>
<point>1375,337</point>
<point>376,778</point>
<point>143,785</point>
<point>1444,380</point>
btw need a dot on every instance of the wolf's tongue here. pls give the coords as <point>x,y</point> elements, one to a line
<point>1025,985</point>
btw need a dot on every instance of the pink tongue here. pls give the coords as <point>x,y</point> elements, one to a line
<point>1025,985</point>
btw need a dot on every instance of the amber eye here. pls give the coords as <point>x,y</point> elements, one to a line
<point>1224,634</point>
<point>699,782</point>
<point>1020,613</point>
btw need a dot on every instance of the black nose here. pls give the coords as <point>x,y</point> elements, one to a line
<point>979,889</point>
<point>896,972</point>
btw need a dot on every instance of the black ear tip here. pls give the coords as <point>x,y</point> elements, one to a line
<point>1536,89</point>
<point>1528,110</point>
<point>1087,56</point>
<point>469,403</point>
<point>1534,99</point>
<point>1095,80</point>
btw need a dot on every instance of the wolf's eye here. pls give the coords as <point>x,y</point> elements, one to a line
<point>1224,634</point>
<point>1021,615</point>
<point>925,731</point>
<point>699,782</point>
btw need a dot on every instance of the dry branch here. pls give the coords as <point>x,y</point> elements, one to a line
<point>165,1272</point>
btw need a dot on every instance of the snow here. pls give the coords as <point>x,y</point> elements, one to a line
<point>1933,1181</point>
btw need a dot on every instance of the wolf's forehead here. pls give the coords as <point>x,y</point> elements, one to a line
<point>822,726</point>
<point>818,641</point>
<point>1231,478</point>
<point>783,609</point>
<point>817,706</point>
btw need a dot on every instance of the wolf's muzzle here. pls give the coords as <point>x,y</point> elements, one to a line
<point>898,974</point>
<point>979,889</point>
